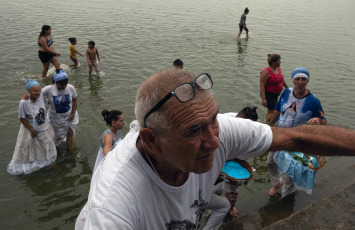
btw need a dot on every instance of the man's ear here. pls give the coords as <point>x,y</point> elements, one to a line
<point>150,141</point>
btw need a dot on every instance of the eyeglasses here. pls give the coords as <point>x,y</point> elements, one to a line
<point>184,92</point>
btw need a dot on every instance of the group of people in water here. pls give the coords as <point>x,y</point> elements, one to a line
<point>153,153</point>
<point>41,132</point>
<point>296,106</point>
<point>162,174</point>
<point>48,55</point>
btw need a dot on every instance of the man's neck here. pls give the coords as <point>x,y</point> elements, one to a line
<point>300,93</point>
<point>167,173</point>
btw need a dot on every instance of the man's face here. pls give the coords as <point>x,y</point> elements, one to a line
<point>193,139</point>
<point>300,83</point>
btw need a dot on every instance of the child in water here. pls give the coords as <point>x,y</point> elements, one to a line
<point>242,24</point>
<point>73,51</point>
<point>91,54</point>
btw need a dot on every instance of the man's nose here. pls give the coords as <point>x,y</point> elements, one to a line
<point>210,138</point>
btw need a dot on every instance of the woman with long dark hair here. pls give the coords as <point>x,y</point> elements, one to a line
<point>46,52</point>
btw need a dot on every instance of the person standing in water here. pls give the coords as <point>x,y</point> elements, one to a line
<point>296,106</point>
<point>63,114</point>
<point>242,23</point>
<point>91,54</point>
<point>73,51</point>
<point>109,138</point>
<point>46,52</point>
<point>178,64</point>
<point>271,84</point>
<point>35,147</point>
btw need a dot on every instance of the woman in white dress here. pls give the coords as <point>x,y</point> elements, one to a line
<point>115,121</point>
<point>35,147</point>
<point>63,115</point>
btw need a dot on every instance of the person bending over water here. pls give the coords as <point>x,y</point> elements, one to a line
<point>115,121</point>
<point>46,52</point>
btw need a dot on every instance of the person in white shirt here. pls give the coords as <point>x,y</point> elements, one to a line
<point>63,115</point>
<point>35,147</point>
<point>220,205</point>
<point>160,176</point>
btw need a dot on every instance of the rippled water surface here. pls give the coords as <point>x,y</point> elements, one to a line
<point>138,38</point>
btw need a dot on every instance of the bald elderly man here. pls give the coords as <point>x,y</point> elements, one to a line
<point>160,176</point>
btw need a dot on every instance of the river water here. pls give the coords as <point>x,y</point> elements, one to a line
<point>137,38</point>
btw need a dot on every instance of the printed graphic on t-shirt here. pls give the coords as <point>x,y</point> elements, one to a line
<point>62,103</point>
<point>200,207</point>
<point>40,118</point>
<point>295,112</point>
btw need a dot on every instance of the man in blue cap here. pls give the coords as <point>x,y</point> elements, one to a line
<point>296,106</point>
<point>63,115</point>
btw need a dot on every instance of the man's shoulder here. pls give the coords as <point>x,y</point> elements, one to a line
<point>119,180</point>
<point>233,124</point>
<point>46,89</point>
<point>286,93</point>
<point>70,87</point>
<point>289,90</point>
<point>313,97</point>
<point>24,102</point>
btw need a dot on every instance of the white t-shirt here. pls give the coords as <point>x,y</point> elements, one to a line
<point>231,114</point>
<point>34,113</point>
<point>125,192</point>
<point>61,101</point>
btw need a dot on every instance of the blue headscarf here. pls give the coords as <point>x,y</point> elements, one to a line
<point>300,72</point>
<point>30,83</point>
<point>62,75</point>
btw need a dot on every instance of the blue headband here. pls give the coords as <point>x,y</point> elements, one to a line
<point>62,75</point>
<point>30,83</point>
<point>300,72</point>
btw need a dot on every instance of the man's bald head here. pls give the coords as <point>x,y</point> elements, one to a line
<point>153,90</point>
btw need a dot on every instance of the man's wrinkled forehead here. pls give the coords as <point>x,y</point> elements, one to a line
<point>203,99</point>
<point>170,79</point>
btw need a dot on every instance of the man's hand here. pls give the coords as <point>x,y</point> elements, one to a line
<point>314,121</point>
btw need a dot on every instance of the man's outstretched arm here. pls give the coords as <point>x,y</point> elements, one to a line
<point>315,139</point>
